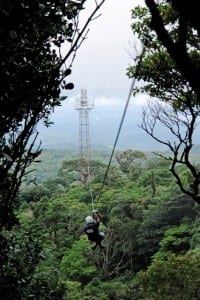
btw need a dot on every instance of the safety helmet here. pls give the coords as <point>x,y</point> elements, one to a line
<point>89,220</point>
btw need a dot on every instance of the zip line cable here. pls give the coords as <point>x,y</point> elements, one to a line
<point>90,187</point>
<point>120,127</point>
<point>117,137</point>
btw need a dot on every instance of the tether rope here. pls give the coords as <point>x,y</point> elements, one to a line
<point>90,187</point>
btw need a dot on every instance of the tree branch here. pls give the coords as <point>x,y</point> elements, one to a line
<point>190,71</point>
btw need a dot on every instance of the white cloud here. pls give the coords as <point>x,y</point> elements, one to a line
<point>102,60</point>
<point>139,100</point>
<point>105,101</point>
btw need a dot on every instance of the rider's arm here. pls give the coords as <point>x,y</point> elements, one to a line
<point>97,216</point>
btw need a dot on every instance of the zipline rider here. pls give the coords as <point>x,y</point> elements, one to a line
<point>91,229</point>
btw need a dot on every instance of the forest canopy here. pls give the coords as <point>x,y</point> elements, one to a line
<point>148,203</point>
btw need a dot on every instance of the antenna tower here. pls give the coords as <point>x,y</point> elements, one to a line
<point>83,105</point>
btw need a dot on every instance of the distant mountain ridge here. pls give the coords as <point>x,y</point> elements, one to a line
<point>72,147</point>
<point>52,157</point>
<point>98,147</point>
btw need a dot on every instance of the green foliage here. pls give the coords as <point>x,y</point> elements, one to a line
<point>56,163</point>
<point>159,218</point>
<point>58,216</point>
<point>129,159</point>
<point>76,263</point>
<point>114,177</point>
<point>177,277</point>
<point>174,104</point>
<point>175,240</point>
<point>73,290</point>
<point>45,284</point>
<point>33,193</point>
<point>19,259</point>
<point>195,239</point>
<point>161,78</point>
<point>112,289</point>
<point>33,72</point>
<point>145,216</point>
<point>140,231</point>
<point>50,163</point>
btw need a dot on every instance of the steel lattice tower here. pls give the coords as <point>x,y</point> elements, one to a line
<point>83,105</point>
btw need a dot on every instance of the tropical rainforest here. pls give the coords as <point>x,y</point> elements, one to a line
<point>152,233</point>
<point>149,202</point>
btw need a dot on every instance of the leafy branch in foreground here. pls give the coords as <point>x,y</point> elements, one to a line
<point>39,42</point>
<point>174,99</point>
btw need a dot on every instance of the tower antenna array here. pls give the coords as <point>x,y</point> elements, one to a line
<point>83,105</point>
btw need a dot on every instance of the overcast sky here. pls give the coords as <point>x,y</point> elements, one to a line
<point>100,68</point>
<point>102,60</point>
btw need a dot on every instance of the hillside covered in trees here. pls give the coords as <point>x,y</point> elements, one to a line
<point>152,234</point>
<point>149,203</point>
